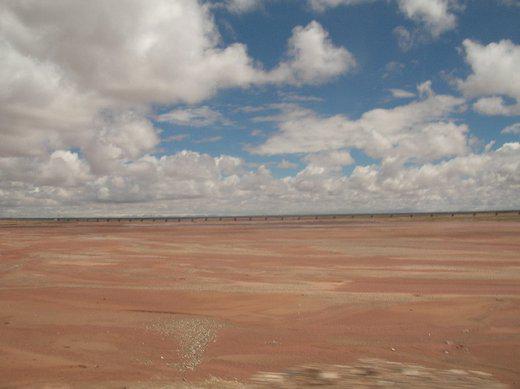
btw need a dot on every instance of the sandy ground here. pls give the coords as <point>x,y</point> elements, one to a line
<point>141,304</point>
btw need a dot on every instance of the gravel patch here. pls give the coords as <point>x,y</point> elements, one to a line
<point>194,334</point>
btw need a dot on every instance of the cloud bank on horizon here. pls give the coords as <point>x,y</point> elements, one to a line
<point>243,106</point>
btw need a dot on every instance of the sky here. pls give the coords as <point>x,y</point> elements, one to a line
<point>242,107</point>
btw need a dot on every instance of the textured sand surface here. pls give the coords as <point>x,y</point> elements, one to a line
<point>144,304</point>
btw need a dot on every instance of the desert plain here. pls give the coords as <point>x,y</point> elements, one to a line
<point>144,304</point>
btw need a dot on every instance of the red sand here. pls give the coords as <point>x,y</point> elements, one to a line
<point>90,303</point>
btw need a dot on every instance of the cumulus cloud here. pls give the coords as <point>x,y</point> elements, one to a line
<point>87,76</point>
<point>312,58</point>
<point>435,16</point>
<point>495,105</point>
<point>418,131</point>
<point>465,182</point>
<point>119,138</point>
<point>65,65</point>
<point>81,83</point>
<point>151,46</point>
<point>135,53</point>
<point>194,183</point>
<point>329,160</point>
<point>512,129</point>
<point>494,74</point>
<point>63,168</point>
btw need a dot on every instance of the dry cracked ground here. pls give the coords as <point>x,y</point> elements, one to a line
<point>433,302</point>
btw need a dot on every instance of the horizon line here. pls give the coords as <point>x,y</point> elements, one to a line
<point>273,215</point>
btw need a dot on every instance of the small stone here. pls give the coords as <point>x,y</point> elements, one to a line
<point>393,349</point>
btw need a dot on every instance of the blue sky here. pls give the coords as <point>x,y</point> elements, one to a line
<point>247,106</point>
<point>367,31</point>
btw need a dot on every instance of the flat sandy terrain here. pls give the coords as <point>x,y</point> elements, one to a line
<point>139,304</point>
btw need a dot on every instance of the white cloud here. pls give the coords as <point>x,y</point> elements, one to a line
<point>135,54</point>
<point>323,5</point>
<point>63,168</point>
<point>425,89</point>
<point>495,105</point>
<point>194,183</point>
<point>193,116</point>
<point>313,58</point>
<point>465,182</point>
<point>80,81</point>
<point>433,18</point>
<point>329,160</point>
<point>120,138</point>
<point>86,75</point>
<point>418,131</point>
<point>512,129</point>
<point>494,74</point>
<point>242,6</point>
<point>434,15</point>
<point>401,93</point>
<point>68,66</point>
